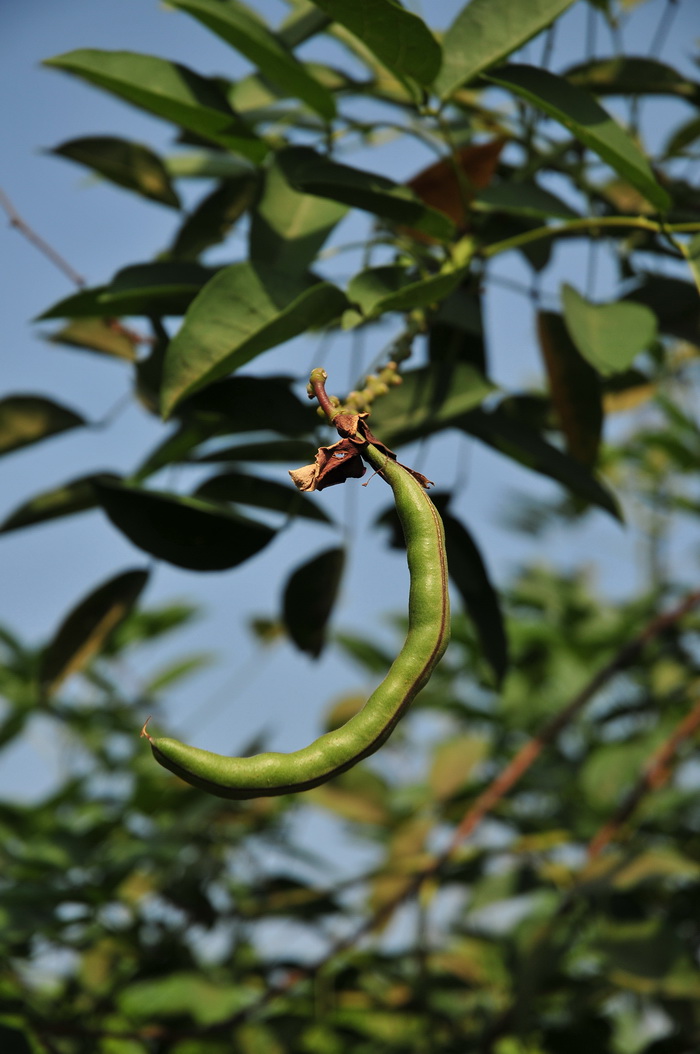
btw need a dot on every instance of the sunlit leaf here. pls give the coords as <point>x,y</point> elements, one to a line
<point>240,313</point>
<point>84,630</point>
<point>96,334</point>
<point>586,119</point>
<point>487,31</point>
<point>398,38</point>
<point>311,173</point>
<point>235,24</point>
<point>125,163</point>
<point>454,762</point>
<point>168,90</point>
<point>609,336</point>
<point>309,596</point>
<point>182,531</point>
<point>395,288</point>
<point>26,419</point>
<point>164,288</point>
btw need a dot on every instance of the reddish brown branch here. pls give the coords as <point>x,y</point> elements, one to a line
<point>38,242</point>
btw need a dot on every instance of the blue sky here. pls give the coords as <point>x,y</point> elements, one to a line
<point>100,228</point>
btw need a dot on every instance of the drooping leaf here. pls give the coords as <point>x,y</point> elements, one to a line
<point>287,451</point>
<point>244,489</point>
<point>125,163</point>
<point>523,199</point>
<point>512,437</point>
<point>183,531</point>
<point>235,24</point>
<point>395,288</point>
<point>240,313</point>
<point>632,75</point>
<point>287,228</point>
<point>26,419</point>
<point>164,288</point>
<point>609,336</point>
<point>398,38</point>
<point>486,32</point>
<point>75,496</point>
<point>96,334</point>
<point>212,219</point>
<point>87,626</point>
<point>311,173</point>
<point>168,90</point>
<point>586,119</point>
<point>469,574</point>
<point>427,400</point>
<point>309,596</point>
<point>575,388</point>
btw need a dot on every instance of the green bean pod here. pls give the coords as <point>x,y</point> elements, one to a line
<point>428,635</point>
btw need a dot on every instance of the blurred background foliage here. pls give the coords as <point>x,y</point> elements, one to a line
<point>526,865</point>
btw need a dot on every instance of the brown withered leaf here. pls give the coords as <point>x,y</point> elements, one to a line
<point>575,388</point>
<point>333,464</point>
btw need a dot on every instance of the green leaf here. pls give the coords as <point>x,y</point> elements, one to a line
<point>168,90</point>
<point>164,288</point>
<point>210,222</point>
<point>632,75</point>
<point>96,334</point>
<point>183,531</point>
<point>311,173</point>
<point>453,764</point>
<point>288,228</point>
<point>13,1040</point>
<point>26,419</point>
<point>249,35</point>
<point>610,336</point>
<point>83,632</point>
<point>693,258</point>
<point>239,314</point>
<point>398,38</point>
<point>394,288</point>
<point>588,121</point>
<point>244,489</point>
<point>523,199</point>
<point>309,596</point>
<point>428,400</point>
<point>75,496</point>
<point>486,32</point>
<point>127,164</point>
<point>287,451</point>
<point>469,574</point>
<point>504,432</point>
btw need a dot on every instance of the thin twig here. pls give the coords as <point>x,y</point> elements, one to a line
<point>19,224</point>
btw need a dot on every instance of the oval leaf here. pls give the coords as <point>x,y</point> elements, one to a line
<point>212,219</point>
<point>183,531</point>
<point>395,288</point>
<point>164,288</point>
<point>610,336</point>
<point>239,314</point>
<point>587,120</point>
<point>486,32</point>
<point>96,334</point>
<point>85,629</point>
<point>234,24</point>
<point>243,489</point>
<point>575,389</point>
<point>75,496</point>
<point>398,38</point>
<point>26,419</point>
<point>168,90</point>
<point>127,164</point>
<point>309,596</point>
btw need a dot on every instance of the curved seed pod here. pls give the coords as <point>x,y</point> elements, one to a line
<point>333,753</point>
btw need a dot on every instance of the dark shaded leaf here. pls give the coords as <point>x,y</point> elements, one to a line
<point>85,629</point>
<point>675,304</point>
<point>284,451</point>
<point>164,288</point>
<point>523,199</point>
<point>632,75</point>
<point>398,38</point>
<point>520,441</point>
<point>244,489</point>
<point>168,90</point>
<point>74,496</point>
<point>456,332</point>
<point>125,163</point>
<point>575,389</point>
<point>96,334</point>
<point>210,222</point>
<point>26,419</point>
<point>587,120</point>
<point>428,400</point>
<point>239,314</point>
<point>311,173</point>
<point>487,31</point>
<point>309,596</point>
<point>183,531</point>
<point>236,25</point>
<point>609,336</point>
<point>396,288</point>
